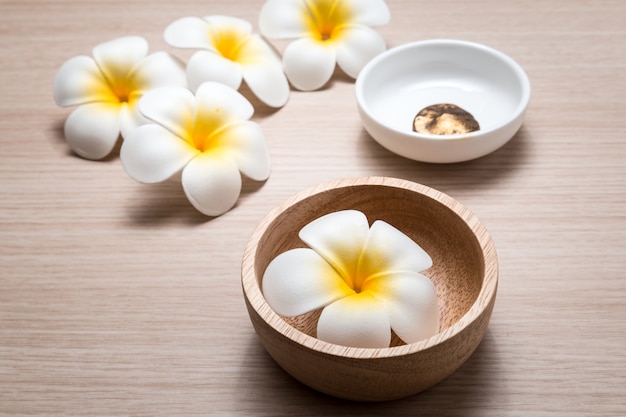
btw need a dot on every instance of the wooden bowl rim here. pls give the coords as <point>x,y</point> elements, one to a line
<point>254,296</point>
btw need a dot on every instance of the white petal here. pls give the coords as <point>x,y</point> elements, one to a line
<point>268,83</point>
<point>369,12</point>
<point>118,57</point>
<point>264,74</point>
<point>212,183</point>
<point>359,320</point>
<point>208,66</point>
<point>411,302</point>
<point>188,32</point>
<point>231,104</point>
<point>228,24</point>
<point>283,19</point>
<point>308,64</point>
<point>130,118</point>
<point>299,281</point>
<point>92,130</point>
<point>153,154</point>
<point>245,143</point>
<point>339,238</point>
<point>171,107</point>
<point>389,250</point>
<point>358,46</point>
<point>160,69</point>
<point>80,81</point>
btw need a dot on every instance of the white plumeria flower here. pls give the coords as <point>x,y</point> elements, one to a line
<point>207,135</point>
<point>365,278</point>
<point>230,53</point>
<point>329,32</point>
<point>106,89</point>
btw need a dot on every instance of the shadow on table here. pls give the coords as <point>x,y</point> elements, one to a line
<point>166,202</point>
<point>269,391</point>
<point>475,175</point>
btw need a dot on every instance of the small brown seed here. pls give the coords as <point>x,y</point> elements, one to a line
<point>444,119</point>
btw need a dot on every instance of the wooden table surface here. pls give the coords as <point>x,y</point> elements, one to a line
<point>118,298</point>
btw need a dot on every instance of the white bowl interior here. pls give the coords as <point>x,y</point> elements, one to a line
<point>399,83</point>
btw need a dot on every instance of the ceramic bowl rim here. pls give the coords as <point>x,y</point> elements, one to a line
<point>254,296</point>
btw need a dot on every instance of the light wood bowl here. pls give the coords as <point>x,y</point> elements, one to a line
<point>464,271</point>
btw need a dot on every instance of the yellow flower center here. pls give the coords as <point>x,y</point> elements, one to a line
<point>123,92</point>
<point>122,87</point>
<point>356,282</point>
<point>204,131</point>
<point>324,17</point>
<point>229,42</point>
<point>370,264</point>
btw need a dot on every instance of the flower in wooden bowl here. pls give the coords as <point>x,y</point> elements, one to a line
<point>365,279</point>
<point>464,273</point>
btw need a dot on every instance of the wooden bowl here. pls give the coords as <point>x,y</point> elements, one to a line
<point>464,271</point>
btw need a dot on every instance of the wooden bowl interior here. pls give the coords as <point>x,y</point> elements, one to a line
<point>458,264</point>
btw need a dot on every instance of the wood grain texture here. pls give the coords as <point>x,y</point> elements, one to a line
<point>117,298</point>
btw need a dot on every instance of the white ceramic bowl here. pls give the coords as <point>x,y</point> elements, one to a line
<point>393,87</point>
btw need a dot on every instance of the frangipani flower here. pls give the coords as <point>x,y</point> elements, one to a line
<point>365,278</point>
<point>230,53</point>
<point>329,32</point>
<point>208,136</point>
<point>106,89</point>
